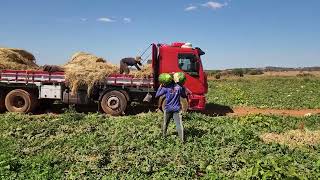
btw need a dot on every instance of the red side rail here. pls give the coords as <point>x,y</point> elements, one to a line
<point>28,76</point>
<point>21,76</point>
<point>129,81</point>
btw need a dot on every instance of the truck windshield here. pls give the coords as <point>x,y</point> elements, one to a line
<point>188,63</point>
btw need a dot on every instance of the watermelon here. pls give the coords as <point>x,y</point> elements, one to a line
<point>179,77</point>
<point>165,78</point>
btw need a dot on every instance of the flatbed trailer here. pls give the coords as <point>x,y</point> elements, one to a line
<point>41,85</point>
<point>23,90</point>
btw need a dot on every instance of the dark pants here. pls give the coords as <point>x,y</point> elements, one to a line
<point>177,119</point>
<point>124,68</point>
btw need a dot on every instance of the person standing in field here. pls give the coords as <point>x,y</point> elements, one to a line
<point>172,109</point>
<point>125,62</point>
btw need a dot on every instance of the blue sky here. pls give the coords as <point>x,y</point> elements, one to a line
<point>234,33</point>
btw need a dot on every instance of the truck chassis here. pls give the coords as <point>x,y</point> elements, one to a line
<point>21,91</point>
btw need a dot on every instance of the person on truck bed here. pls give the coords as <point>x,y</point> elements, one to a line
<point>172,109</point>
<point>125,62</point>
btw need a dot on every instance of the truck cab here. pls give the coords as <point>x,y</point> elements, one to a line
<point>180,58</point>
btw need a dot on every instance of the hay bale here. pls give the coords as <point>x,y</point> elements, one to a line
<point>84,70</point>
<point>146,71</point>
<point>25,54</point>
<point>17,59</point>
<point>82,58</point>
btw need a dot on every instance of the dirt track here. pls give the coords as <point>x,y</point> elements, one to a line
<point>218,110</point>
<point>243,111</point>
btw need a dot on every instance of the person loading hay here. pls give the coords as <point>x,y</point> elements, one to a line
<point>125,62</point>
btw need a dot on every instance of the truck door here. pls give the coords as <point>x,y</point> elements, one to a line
<point>190,64</point>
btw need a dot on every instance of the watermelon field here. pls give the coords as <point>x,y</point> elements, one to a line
<point>75,145</point>
<point>267,92</point>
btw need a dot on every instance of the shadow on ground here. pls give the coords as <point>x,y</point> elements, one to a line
<point>61,108</point>
<point>141,108</point>
<point>211,109</point>
<point>217,110</point>
<point>195,132</point>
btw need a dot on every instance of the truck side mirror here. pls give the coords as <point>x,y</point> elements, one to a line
<point>200,52</point>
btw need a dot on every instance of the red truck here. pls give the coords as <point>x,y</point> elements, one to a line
<point>23,91</point>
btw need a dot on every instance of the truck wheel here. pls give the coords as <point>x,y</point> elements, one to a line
<point>2,104</point>
<point>19,100</point>
<point>114,103</point>
<point>183,102</point>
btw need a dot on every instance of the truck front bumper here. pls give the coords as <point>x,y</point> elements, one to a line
<point>197,102</point>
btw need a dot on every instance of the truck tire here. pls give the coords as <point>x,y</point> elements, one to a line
<point>125,93</point>
<point>19,101</point>
<point>2,102</point>
<point>183,102</point>
<point>114,103</point>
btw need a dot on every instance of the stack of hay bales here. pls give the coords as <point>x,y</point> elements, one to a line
<point>145,72</point>
<point>17,59</point>
<point>84,69</point>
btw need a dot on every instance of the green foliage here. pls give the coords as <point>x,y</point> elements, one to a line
<point>217,76</point>
<point>212,72</point>
<point>95,146</point>
<point>238,72</point>
<point>234,72</point>
<point>255,72</point>
<point>277,92</point>
<point>307,75</point>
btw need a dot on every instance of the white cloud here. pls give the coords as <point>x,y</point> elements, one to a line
<point>214,5</point>
<point>191,8</point>
<point>127,20</point>
<point>84,19</point>
<point>105,19</point>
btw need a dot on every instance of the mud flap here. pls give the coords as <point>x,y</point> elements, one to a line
<point>147,98</point>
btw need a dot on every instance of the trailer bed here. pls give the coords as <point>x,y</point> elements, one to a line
<point>42,77</point>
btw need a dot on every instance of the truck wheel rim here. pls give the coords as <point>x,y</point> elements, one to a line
<point>113,102</point>
<point>18,102</point>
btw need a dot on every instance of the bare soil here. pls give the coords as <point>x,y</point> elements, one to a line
<point>243,111</point>
<point>290,73</point>
<point>293,138</point>
<point>271,74</point>
<point>218,110</point>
